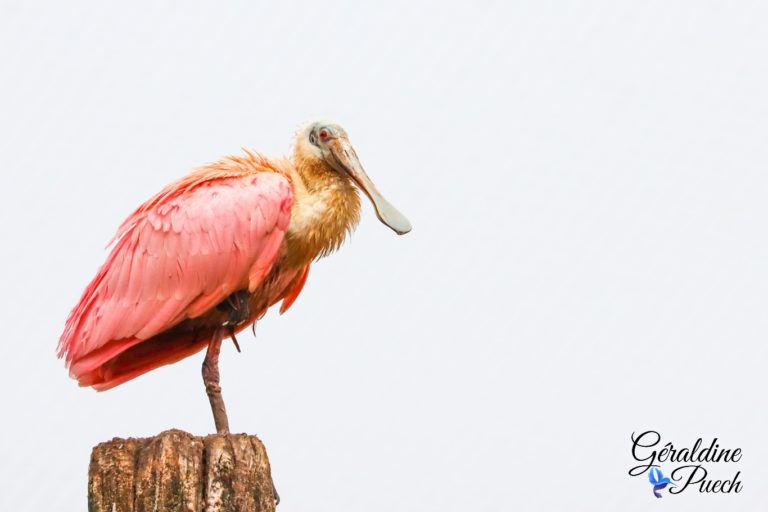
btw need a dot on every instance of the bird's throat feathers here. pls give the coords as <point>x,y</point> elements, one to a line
<point>326,208</point>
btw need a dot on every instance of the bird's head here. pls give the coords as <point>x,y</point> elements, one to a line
<point>326,143</point>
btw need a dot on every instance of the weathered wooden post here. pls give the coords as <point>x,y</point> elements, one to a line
<point>176,471</point>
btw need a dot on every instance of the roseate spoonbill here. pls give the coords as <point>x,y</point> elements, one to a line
<point>211,252</point>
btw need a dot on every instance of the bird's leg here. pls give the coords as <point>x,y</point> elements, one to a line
<point>211,380</point>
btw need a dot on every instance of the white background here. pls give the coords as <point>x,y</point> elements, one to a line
<point>587,184</point>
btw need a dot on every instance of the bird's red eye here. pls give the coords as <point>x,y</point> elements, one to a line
<point>323,134</point>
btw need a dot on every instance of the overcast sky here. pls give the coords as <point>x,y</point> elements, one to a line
<point>587,184</point>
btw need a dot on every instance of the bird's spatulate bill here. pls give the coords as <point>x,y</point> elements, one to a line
<point>346,158</point>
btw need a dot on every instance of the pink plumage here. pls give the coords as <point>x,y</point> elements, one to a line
<point>180,254</point>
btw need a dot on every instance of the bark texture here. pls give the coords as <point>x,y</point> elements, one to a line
<point>176,471</point>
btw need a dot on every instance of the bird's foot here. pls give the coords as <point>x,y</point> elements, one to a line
<point>238,308</point>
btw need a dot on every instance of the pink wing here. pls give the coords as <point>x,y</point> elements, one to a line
<point>177,256</point>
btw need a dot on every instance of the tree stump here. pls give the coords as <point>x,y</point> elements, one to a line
<point>176,471</point>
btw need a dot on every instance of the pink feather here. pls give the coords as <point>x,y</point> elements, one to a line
<point>200,239</point>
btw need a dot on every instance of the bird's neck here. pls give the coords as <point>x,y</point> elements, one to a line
<point>326,208</point>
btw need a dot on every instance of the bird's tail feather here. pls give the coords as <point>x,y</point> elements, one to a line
<point>141,358</point>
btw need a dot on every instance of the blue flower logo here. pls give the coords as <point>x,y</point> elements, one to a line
<point>658,481</point>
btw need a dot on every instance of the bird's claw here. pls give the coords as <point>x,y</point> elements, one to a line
<point>234,339</point>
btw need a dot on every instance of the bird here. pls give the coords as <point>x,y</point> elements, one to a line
<point>209,254</point>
